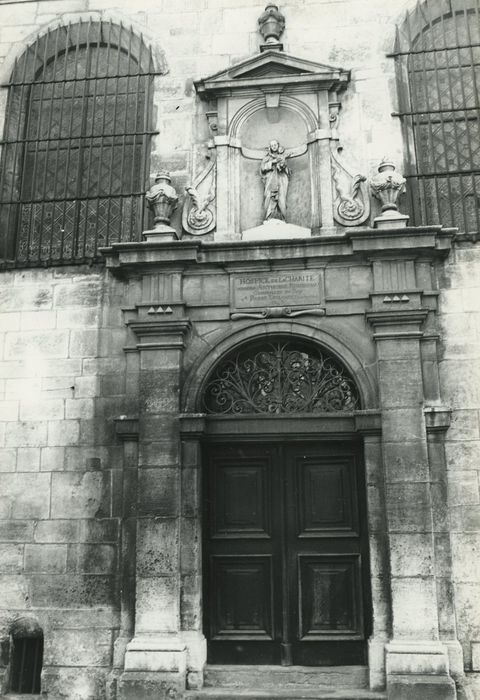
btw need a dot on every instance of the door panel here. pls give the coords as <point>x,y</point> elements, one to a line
<point>240,503</point>
<point>329,597</point>
<point>239,616</point>
<point>286,550</point>
<point>326,496</point>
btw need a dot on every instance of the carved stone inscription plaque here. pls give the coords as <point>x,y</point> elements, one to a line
<point>264,289</point>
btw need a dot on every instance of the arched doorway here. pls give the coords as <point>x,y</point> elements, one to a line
<point>285,541</point>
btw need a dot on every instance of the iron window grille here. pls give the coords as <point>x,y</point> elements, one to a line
<point>27,659</point>
<point>437,56</point>
<point>75,147</point>
<point>280,377</point>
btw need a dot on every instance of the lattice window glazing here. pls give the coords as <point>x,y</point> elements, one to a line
<point>280,377</point>
<point>438,72</point>
<point>75,148</point>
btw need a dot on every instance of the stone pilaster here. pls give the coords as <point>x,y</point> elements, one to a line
<point>126,428</point>
<point>417,662</point>
<point>156,657</point>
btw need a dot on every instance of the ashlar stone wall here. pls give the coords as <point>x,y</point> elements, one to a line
<point>460,377</point>
<point>62,382</point>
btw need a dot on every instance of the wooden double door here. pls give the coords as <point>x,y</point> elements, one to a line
<point>285,554</point>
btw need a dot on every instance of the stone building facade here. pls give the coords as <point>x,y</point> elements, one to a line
<point>240,401</point>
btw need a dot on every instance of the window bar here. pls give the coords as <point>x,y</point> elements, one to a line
<point>401,72</point>
<point>412,99</point>
<point>135,93</point>
<point>19,155</point>
<point>4,159</point>
<point>454,123</point>
<point>123,139</point>
<point>47,152</point>
<point>60,126</point>
<point>86,147</point>
<point>93,50</point>
<point>477,103</point>
<point>73,198</point>
<point>114,128</point>
<point>33,180</point>
<point>145,153</point>
<point>19,83</point>
<point>429,116</point>
<point>135,174</point>
<point>37,653</point>
<point>117,134</point>
<point>22,665</point>
<point>64,184</point>
<point>91,150</point>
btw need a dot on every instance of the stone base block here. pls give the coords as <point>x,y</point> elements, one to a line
<point>417,657</point>
<point>419,670</point>
<point>273,229</point>
<point>196,645</point>
<point>376,663</point>
<point>155,654</point>
<point>421,687</point>
<point>143,685</point>
<point>391,220</point>
<point>160,234</point>
<point>155,669</point>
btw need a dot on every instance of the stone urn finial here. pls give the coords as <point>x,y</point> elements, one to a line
<point>162,200</point>
<point>387,187</point>
<point>271,25</point>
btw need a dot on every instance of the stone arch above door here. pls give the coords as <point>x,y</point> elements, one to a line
<point>328,343</point>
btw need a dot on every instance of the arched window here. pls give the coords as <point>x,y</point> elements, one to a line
<point>75,144</point>
<point>277,377</point>
<point>437,56</point>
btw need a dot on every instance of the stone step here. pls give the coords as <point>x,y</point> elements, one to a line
<point>287,694</point>
<point>266,677</point>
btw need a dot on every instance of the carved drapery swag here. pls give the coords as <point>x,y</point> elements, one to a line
<point>280,378</point>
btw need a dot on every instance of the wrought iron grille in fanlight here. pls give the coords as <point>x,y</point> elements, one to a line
<point>280,378</point>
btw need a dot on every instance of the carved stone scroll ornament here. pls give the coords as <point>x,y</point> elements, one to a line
<point>277,312</point>
<point>351,206</point>
<point>198,216</point>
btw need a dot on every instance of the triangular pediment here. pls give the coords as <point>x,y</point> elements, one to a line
<point>273,65</point>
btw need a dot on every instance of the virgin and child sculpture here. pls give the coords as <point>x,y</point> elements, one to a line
<point>275,176</point>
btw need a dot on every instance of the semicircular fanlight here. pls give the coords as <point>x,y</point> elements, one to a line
<point>281,377</point>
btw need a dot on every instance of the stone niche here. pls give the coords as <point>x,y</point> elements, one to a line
<point>296,103</point>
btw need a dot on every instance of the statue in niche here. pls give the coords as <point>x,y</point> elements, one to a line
<point>275,176</point>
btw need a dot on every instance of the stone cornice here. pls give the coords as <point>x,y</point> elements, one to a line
<point>360,244</point>
<point>271,69</point>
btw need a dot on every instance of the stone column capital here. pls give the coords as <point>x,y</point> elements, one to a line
<point>160,335</point>
<point>388,325</point>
